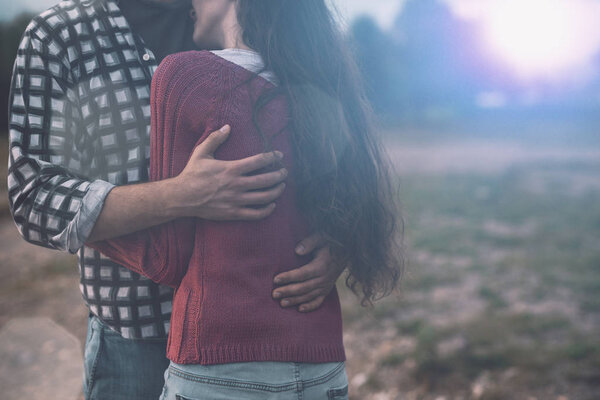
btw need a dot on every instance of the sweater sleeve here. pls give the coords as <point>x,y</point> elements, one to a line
<point>162,252</point>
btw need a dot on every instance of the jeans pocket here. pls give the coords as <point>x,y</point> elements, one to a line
<point>339,387</point>
<point>340,393</point>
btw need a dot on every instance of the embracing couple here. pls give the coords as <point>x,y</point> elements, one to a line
<point>266,181</point>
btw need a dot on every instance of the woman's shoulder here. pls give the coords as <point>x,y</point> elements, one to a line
<point>180,72</point>
<point>185,56</point>
<point>194,67</point>
<point>186,62</point>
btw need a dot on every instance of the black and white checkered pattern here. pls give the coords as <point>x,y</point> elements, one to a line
<point>79,124</point>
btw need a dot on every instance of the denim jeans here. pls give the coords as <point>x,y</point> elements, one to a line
<point>256,381</point>
<point>122,369</point>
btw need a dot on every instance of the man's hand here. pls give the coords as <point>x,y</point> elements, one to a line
<point>308,285</point>
<point>206,188</point>
<point>221,190</point>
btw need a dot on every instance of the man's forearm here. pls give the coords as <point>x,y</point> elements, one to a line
<point>131,208</point>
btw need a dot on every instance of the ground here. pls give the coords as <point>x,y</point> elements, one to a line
<point>501,294</point>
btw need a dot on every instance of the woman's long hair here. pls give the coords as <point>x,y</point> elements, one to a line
<point>342,174</point>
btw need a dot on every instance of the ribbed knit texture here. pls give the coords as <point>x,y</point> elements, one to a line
<point>223,272</point>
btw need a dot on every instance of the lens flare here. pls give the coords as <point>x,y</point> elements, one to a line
<point>543,38</point>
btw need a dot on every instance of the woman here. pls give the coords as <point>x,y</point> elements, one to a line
<point>284,82</point>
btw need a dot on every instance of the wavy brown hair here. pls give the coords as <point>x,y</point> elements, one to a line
<point>343,177</point>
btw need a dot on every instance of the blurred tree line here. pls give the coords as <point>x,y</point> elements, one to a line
<point>430,66</point>
<point>421,67</point>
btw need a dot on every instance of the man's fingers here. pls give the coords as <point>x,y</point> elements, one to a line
<point>262,181</point>
<point>317,267</point>
<point>301,274</point>
<point>310,244</point>
<point>297,289</point>
<point>213,141</point>
<point>312,305</point>
<point>251,214</point>
<point>258,198</point>
<point>253,163</point>
<point>293,301</point>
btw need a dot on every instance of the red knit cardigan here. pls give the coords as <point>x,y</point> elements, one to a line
<point>223,272</point>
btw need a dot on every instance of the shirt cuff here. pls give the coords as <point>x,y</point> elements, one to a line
<point>85,219</point>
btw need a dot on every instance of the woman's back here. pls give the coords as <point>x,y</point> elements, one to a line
<point>223,311</point>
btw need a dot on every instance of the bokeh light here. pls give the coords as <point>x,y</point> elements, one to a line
<point>543,38</point>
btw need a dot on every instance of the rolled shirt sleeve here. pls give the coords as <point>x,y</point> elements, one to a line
<point>79,229</point>
<point>53,204</point>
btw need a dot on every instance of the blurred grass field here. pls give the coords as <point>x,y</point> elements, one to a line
<point>501,295</point>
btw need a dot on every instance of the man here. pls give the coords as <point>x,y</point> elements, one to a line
<point>79,149</point>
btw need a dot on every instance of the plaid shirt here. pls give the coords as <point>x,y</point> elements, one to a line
<point>79,124</point>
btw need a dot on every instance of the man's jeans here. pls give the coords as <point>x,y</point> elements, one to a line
<point>122,369</point>
<point>256,381</point>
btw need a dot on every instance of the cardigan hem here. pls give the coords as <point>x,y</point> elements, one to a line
<point>266,352</point>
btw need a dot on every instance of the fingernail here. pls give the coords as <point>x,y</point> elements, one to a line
<point>279,155</point>
<point>285,303</point>
<point>300,249</point>
<point>277,295</point>
<point>302,309</point>
<point>224,128</point>
<point>277,280</point>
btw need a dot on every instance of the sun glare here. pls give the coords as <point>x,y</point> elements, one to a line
<point>543,38</point>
